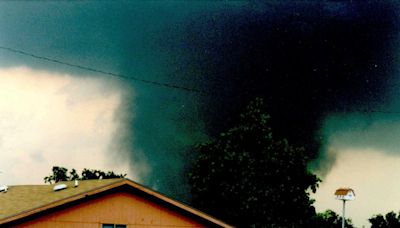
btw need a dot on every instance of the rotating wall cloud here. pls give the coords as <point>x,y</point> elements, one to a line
<point>308,60</point>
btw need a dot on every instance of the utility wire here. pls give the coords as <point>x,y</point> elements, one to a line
<point>156,83</point>
<point>121,76</point>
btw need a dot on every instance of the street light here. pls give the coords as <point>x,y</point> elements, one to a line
<point>344,194</point>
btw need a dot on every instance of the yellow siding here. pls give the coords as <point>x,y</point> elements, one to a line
<point>116,208</point>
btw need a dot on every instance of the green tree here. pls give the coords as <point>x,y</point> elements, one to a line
<point>61,174</point>
<point>88,174</point>
<point>329,219</point>
<point>390,220</point>
<point>250,179</point>
<point>73,175</point>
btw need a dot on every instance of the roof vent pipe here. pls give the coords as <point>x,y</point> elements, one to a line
<point>3,188</point>
<point>60,187</point>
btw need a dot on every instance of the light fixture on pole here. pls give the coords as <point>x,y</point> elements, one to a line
<point>344,194</point>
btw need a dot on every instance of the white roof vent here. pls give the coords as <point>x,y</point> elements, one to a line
<point>3,188</point>
<point>76,183</point>
<point>60,187</point>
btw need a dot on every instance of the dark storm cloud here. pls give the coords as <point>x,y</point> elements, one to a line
<point>306,58</point>
<point>157,124</point>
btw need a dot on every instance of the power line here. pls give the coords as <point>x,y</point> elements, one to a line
<point>121,76</point>
<point>156,83</point>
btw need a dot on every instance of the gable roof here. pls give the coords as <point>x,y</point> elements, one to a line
<point>343,191</point>
<point>21,201</point>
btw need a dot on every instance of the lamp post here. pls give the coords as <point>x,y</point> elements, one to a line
<point>344,194</point>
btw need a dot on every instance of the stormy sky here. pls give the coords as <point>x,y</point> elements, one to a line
<point>132,86</point>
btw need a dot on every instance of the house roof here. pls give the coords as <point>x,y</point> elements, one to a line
<point>343,191</point>
<point>21,201</point>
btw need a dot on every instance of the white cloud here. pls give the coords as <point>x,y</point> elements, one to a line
<point>374,177</point>
<point>51,119</point>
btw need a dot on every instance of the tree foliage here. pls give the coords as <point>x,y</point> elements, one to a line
<point>250,179</point>
<point>61,174</point>
<point>390,220</point>
<point>88,174</point>
<point>329,219</point>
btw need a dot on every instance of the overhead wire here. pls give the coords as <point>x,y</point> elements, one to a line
<point>121,76</point>
<point>156,83</point>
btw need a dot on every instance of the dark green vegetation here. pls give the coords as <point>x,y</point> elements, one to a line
<point>329,219</point>
<point>390,220</point>
<point>248,178</point>
<point>61,174</point>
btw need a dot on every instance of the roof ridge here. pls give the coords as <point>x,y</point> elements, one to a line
<point>47,184</point>
<point>54,199</point>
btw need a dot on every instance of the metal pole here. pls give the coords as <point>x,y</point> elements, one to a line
<point>343,219</point>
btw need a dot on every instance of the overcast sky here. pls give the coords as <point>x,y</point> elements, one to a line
<point>51,119</point>
<point>328,71</point>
